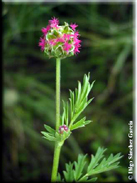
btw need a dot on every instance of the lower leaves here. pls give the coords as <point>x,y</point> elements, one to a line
<point>81,171</point>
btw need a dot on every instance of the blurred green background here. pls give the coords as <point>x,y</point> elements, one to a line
<point>29,86</point>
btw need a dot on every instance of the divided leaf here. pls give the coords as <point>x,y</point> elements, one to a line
<point>85,179</point>
<point>74,171</point>
<point>96,167</point>
<point>79,166</point>
<point>59,178</point>
<point>80,123</point>
<point>68,174</point>
<point>95,159</point>
<point>49,129</point>
<point>78,101</point>
<point>48,136</point>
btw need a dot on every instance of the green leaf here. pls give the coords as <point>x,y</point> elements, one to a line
<point>96,167</point>
<point>49,129</point>
<point>74,171</point>
<point>48,136</point>
<point>71,103</point>
<point>78,101</point>
<point>59,178</point>
<point>92,180</point>
<point>80,123</point>
<point>68,174</point>
<point>85,179</point>
<point>95,159</point>
<point>79,166</point>
<point>91,86</point>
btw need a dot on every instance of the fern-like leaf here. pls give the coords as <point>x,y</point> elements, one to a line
<point>78,101</point>
<point>68,174</point>
<point>79,166</point>
<point>74,171</point>
<point>48,136</point>
<point>95,159</point>
<point>106,164</point>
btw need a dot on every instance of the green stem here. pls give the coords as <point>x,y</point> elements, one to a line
<point>58,145</point>
<point>57,93</point>
<point>56,161</point>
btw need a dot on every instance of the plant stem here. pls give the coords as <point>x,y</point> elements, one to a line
<point>58,145</point>
<point>56,161</point>
<point>57,93</point>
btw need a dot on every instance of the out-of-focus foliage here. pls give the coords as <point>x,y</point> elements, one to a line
<point>29,86</point>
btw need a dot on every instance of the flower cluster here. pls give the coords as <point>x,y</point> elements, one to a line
<point>60,41</point>
<point>62,129</point>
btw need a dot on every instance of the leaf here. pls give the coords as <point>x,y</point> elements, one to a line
<point>87,122</point>
<point>80,123</point>
<point>48,136</point>
<point>49,129</point>
<point>68,174</point>
<point>71,99</point>
<point>95,159</point>
<point>105,165</point>
<point>91,86</point>
<point>85,179</point>
<point>66,112</point>
<point>78,101</point>
<point>74,171</point>
<point>59,178</point>
<point>79,166</point>
<point>92,180</point>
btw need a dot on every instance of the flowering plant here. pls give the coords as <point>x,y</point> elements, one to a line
<point>61,42</point>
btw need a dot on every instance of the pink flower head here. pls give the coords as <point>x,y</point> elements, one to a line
<point>62,129</point>
<point>55,41</point>
<point>73,26</point>
<point>42,43</point>
<point>66,36</point>
<point>60,41</point>
<point>76,41</point>
<point>67,47</point>
<point>76,34</point>
<point>45,30</point>
<point>77,45</point>
<point>76,50</point>
<point>54,22</point>
<point>52,42</point>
